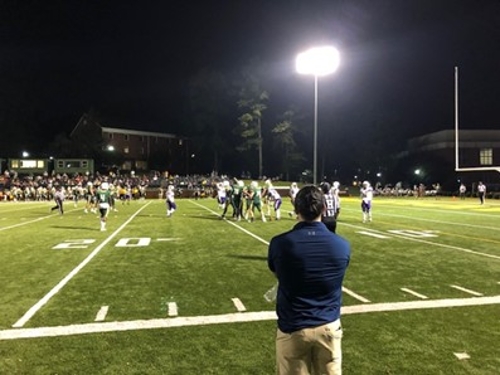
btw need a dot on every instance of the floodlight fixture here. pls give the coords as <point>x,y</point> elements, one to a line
<point>317,61</point>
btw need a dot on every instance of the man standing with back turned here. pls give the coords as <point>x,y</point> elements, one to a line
<point>310,262</point>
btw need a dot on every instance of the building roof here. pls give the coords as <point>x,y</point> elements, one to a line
<point>445,139</point>
<point>106,129</point>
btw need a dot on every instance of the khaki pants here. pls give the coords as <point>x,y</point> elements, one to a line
<point>310,351</point>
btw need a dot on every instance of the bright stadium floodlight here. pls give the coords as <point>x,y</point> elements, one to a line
<point>26,154</point>
<point>318,61</point>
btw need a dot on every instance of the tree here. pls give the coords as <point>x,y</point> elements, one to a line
<point>253,99</point>
<point>284,136</point>
<point>209,108</point>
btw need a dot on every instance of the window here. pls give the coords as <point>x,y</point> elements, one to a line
<point>486,156</point>
<point>126,137</point>
<point>110,135</point>
<point>142,165</point>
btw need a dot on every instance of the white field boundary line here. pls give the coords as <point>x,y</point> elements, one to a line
<point>240,317</point>
<point>344,289</point>
<point>469,251</point>
<point>35,220</point>
<point>34,309</point>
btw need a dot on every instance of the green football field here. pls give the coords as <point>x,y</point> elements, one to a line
<point>184,295</point>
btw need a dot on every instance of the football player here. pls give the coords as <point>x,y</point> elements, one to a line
<point>294,189</point>
<point>58,198</point>
<point>228,201</point>
<point>366,193</point>
<point>104,202</point>
<point>221,195</point>
<point>90,198</point>
<point>328,217</point>
<point>256,194</point>
<point>237,199</point>
<point>112,191</point>
<point>274,198</point>
<point>248,197</point>
<point>335,191</point>
<point>171,206</point>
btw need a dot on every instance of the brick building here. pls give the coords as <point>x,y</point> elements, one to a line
<point>133,149</point>
<point>477,149</point>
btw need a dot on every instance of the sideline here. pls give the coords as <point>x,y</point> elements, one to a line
<point>241,317</point>
<point>34,309</point>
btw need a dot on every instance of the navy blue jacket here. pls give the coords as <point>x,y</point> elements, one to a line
<point>310,263</point>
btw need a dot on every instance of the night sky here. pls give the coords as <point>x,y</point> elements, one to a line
<point>131,61</point>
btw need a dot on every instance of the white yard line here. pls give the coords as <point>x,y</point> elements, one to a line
<point>412,292</point>
<point>238,304</point>
<point>344,289</point>
<point>431,243</point>
<point>233,224</point>
<point>172,309</point>
<point>355,295</point>
<point>35,220</point>
<point>34,309</point>
<point>101,314</point>
<point>466,290</point>
<point>17,209</point>
<point>25,223</point>
<point>462,356</point>
<point>417,218</point>
<point>373,234</point>
<point>134,325</point>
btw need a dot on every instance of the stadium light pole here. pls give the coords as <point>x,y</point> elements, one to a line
<point>317,61</point>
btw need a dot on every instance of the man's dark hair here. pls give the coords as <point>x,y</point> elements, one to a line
<point>325,187</point>
<point>309,202</point>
